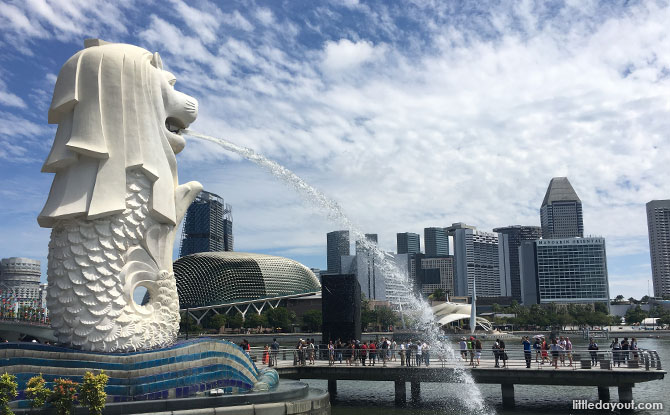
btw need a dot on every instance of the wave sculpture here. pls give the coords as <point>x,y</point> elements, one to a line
<point>115,201</point>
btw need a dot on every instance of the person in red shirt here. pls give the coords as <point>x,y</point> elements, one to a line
<point>364,353</point>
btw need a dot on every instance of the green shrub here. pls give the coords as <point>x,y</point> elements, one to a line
<point>8,391</point>
<point>63,396</point>
<point>37,391</point>
<point>92,392</point>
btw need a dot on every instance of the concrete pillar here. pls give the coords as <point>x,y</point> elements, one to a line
<point>604,393</point>
<point>332,387</point>
<point>626,393</point>
<point>507,395</point>
<point>415,389</point>
<point>400,392</point>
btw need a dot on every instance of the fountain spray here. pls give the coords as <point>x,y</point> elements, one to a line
<point>398,290</point>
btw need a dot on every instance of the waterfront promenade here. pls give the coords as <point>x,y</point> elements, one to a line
<point>647,368</point>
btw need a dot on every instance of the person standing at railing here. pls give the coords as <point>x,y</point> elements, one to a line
<point>525,341</point>
<point>616,352</point>
<point>372,351</point>
<point>426,353</point>
<point>331,353</point>
<point>364,353</point>
<point>402,354</point>
<point>634,349</point>
<point>464,348</point>
<point>625,346</point>
<point>478,350</point>
<point>545,350</point>
<point>593,346</point>
<point>503,353</point>
<point>537,346</point>
<point>338,350</point>
<point>419,351</point>
<point>394,349</point>
<point>561,344</point>
<point>568,349</point>
<point>496,353</point>
<point>555,351</point>
<point>471,350</point>
<point>274,350</point>
<point>384,351</point>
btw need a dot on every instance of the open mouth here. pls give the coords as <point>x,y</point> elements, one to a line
<point>174,125</point>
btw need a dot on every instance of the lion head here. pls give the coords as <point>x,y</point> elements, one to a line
<point>116,108</point>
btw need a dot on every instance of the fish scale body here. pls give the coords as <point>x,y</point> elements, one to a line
<point>90,276</point>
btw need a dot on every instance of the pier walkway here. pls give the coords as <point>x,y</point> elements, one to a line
<point>646,367</point>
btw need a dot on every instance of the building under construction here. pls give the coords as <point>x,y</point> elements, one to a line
<point>208,226</point>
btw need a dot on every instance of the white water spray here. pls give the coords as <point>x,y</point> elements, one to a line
<point>398,290</point>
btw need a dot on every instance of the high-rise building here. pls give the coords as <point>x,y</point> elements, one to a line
<point>561,211</point>
<point>432,273</point>
<point>368,272</point>
<point>337,246</point>
<point>476,257</point>
<point>208,226</point>
<point>436,241</point>
<point>658,222</point>
<point>509,241</point>
<point>409,243</point>
<point>20,281</point>
<point>569,270</point>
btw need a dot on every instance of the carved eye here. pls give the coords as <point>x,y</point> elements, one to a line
<point>170,78</point>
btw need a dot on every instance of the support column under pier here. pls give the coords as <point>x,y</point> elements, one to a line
<point>507,395</point>
<point>400,392</point>
<point>604,393</point>
<point>415,390</point>
<point>626,393</point>
<point>332,387</point>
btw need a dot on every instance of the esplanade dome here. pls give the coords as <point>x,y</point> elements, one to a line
<point>218,278</point>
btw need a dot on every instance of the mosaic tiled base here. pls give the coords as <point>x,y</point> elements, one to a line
<point>179,371</point>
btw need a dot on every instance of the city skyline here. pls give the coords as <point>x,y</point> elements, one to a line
<point>407,115</point>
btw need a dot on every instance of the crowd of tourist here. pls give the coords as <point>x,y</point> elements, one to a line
<point>555,352</point>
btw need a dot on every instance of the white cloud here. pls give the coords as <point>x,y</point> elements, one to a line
<point>264,15</point>
<point>346,55</point>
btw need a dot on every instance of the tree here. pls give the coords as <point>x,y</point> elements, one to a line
<point>280,318</point>
<point>438,295</point>
<point>92,392</point>
<point>635,315</point>
<point>601,308</point>
<point>312,320</point>
<point>618,299</point>
<point>235,321</point>
<point>218,321</point>
<point>632,300</point>
<point>254,320</point>
<point>496,308</point>
<point>386,317</point>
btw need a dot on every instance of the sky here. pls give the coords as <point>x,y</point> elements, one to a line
<point>409,114</point>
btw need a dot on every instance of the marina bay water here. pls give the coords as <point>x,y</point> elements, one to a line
<point>398,290</point>
<point>376,398</point>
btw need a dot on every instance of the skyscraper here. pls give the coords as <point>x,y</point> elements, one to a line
<point>561,211</point>
<point>476,257</point>
<point>409,243</point>
<point>432,273</point>
<point>658,222</point>
<point>509,240</point>
<point>436,241</point>
<point>337,246</point>
<point>570,270</point>
<point>208,226</point>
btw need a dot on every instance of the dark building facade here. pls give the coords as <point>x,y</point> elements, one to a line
<point>337,246</point>
<point>658,222</point>
<point>436,242</point>
<point>208,226</point>
<point>561,211</point>
<point>509,241</point>
<point>408,243</point>
<point>341,307</point>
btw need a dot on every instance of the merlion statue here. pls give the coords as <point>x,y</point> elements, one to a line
<point>115,201</point>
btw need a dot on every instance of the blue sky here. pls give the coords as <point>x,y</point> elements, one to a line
<point>409,114</point>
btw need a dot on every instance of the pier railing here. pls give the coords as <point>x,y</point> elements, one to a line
<point>575,359</point>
